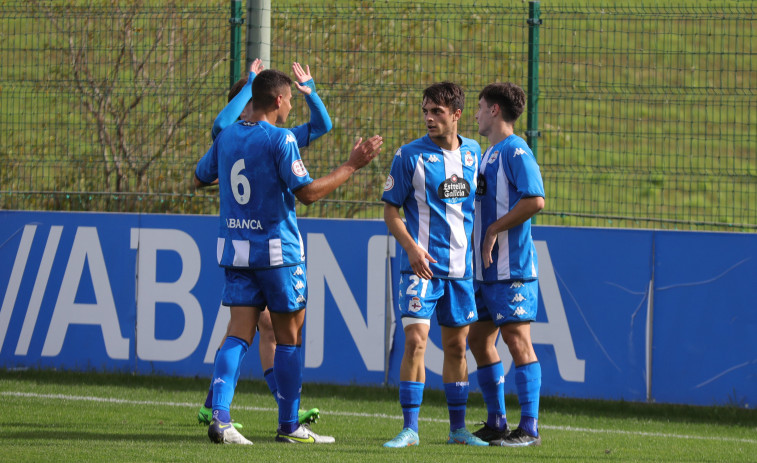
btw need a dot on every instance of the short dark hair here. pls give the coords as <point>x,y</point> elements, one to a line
<point>447,94</point>
<point>237,87</point>
<point>267,86</point>
<point>510,98</point>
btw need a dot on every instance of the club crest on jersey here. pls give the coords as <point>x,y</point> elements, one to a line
<point>414,305</point>
<point>493,157</point>
<point>298,168</point>
<point>469,159</point>
<point>389,184</point>
<point>454,190</point>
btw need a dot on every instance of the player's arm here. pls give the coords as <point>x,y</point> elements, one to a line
<point>417,256</point>
<point>523,210</point>
<point>320,122</point>
<point>230,113</point>
<point>361,155</point>
<point>206,172</point>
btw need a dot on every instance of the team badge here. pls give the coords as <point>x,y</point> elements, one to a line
<point>389,184</point>
<point>468,159</point>
<point>415,305</point>
<point>298,168</point>
<point>493,157</point>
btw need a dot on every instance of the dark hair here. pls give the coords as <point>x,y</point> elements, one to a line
<point>447,94</point>
<point>237,87</point>
<point>267,86</point>
<point>510,98</point>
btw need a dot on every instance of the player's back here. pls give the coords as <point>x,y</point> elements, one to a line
<point>259,166</point>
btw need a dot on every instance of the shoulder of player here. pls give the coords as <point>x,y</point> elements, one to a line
<point>470,144</point>
<point>278,135</point>
<point>513,145</point>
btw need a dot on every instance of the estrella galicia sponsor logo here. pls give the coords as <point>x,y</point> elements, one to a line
<point>389,184</point>
<point>249,224</point>
<point>481,185</point>
<point>298,168</point>
<point>454,190</point>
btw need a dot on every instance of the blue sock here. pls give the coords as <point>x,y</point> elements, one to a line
<point>491,380</point>
<point>227,362</point>
<point>287,369</point>
<point>528,384</point>
<point>209,397</point>
<point>411,397</point>
<point>457,401</point>
<point>270,379</point>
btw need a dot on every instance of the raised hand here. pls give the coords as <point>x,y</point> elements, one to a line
<point>302,76</point>
<point>256,66</point>
<point>364,151</point>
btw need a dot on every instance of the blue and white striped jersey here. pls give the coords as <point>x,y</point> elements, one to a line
<point>436,188</point>
<point>509,172</point>
<point>258,167</point>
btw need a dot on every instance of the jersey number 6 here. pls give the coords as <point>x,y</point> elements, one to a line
<point>239,180</point>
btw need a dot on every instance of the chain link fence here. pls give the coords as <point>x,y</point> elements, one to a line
<point>646,114</point>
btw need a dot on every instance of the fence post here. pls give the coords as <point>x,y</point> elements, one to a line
<point>259,32</point>
<point>236,22</point>
<point>534,21</point>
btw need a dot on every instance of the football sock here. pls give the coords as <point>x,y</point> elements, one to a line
<point>411,396</point>
<point>227,362</point>
<point>491,380</point>
<point>270,379</point>
<point>209,397</point>
<point>287,369</point>
<point>457,400</point>
<point>528,384</point>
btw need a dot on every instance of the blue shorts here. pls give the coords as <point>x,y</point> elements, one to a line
<point>452,300</point>
<point>281,289</point>
<point>507,301</point>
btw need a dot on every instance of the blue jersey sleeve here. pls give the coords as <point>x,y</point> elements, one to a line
<point>230,113</point>
<point>207,166</point>
<point>290,167</point>
<point>400,180</point>
<point>522,170</point>
<point>320,122</point>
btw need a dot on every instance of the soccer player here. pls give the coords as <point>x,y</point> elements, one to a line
<point>320,123</point>
<point>260,173</point>
<point>433,179</point>
<point>510,192</point>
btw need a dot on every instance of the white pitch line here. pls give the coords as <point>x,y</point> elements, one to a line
<point>361,415</point>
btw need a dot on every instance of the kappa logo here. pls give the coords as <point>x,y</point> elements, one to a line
<point>500,316</point>
<point>300,298</point>
<point>398,152</point>
<point>518,298</point>
<point>501,380</point>
<point>219,381</point>
<point>298,272</point>
<point>471,314</point>
<point>519,311</point>
<point>517,284</point>
<point>299,285</point>
<point>433,158</point>
<point>519,152</point>
<point>415,305</point>
<point>290,138</point>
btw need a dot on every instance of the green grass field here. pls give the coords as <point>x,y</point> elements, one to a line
<point>66,416</point>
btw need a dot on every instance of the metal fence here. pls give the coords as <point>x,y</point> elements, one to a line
<point>646,114</point>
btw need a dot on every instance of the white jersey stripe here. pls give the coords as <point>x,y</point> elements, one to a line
<point>503,207</point>
<point>275,252</point>
<point>458,241</point>
<point>219,249</point>
<point>477,242</point>
<point>241,253</point>
<point>424,214</point>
